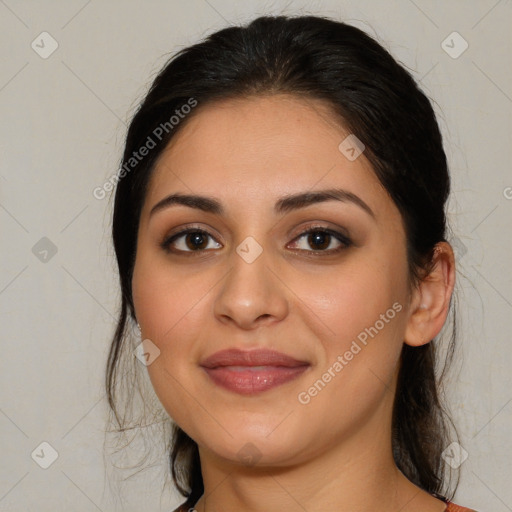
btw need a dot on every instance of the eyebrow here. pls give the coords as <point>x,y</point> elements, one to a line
<point>283,205</point>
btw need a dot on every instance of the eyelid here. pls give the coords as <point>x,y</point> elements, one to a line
<point>209,230</point>
<point>319,226</point>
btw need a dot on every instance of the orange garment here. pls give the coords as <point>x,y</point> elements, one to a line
<point>457,508</point>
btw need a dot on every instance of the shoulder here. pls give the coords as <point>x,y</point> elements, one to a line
<point>452,507</point>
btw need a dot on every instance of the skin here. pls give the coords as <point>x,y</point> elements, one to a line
<point>333,453</point>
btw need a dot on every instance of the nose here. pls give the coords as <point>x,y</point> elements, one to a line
<point>251,295</point>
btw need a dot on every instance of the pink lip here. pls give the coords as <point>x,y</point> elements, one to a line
<point>250,372</point>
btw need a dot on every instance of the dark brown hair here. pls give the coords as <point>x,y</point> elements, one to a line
<point>375,98</point>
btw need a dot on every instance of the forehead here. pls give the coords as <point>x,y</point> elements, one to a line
<point>260,148</point>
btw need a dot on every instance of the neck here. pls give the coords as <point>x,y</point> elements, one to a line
<point>356,475</point>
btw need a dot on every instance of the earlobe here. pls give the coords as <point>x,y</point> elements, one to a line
<point>430,302</point>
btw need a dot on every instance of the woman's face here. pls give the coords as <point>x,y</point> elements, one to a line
<point>252,280</point>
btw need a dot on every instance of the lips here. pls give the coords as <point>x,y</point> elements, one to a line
<point>250,372</point>
<point>261,357</point>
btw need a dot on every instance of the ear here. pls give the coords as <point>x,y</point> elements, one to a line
<point>430,301</point>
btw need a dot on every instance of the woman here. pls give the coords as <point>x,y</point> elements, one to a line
<point>279,226</point>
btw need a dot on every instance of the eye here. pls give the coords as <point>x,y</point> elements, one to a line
<point>323,240</point>
<point>319,238</point>
<point>189,240</point>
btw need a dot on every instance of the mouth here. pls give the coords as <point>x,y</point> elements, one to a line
<point>251,372</point>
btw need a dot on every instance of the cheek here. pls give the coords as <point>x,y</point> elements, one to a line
<point>362,322</point>
<point>167,300</point>
<point>361,308</point>
<point>172,305</point>
<point>170,308</point>
<point>359,294</point>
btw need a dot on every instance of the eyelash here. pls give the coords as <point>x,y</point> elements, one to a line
<point>345,241</point>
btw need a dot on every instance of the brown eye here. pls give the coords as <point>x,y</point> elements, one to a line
<point>321,240</point>
<point>190,240</point>
<point>196,240</point>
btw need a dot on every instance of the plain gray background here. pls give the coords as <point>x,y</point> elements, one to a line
<point>63,120</point>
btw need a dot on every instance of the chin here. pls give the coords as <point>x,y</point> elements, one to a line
<point>254,442</point>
